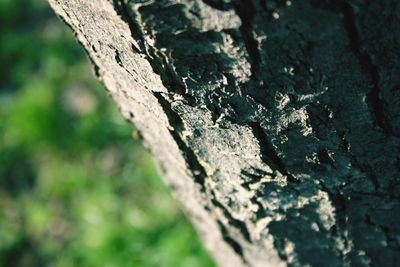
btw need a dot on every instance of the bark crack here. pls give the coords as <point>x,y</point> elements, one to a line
<point>197,170</point>
<point>157,60</point>
<point>246,12</point>
<point>268,153</point>
<point>376,104</point>
<point>218,4</point>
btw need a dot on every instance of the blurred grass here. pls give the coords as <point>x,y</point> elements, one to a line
<point>75,188</point>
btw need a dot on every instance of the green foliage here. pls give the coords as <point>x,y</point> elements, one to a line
<point>75,188</point>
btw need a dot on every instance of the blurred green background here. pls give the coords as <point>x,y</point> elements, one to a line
<point>75,188</point>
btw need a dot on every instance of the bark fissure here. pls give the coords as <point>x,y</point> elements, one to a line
<point>240,225</point>
<point>198,172</point>
<point>246,12</point>
<point>122,10</point>
<point>218,4</point>
<point>374,100</point>
<point>235,245</point>
<point>156,60</point>
<point>268,153</point>
<point>355,162</point>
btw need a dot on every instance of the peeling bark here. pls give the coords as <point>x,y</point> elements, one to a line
<point>276,123</point>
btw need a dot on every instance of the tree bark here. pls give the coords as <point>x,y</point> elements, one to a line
<point>276,123</point>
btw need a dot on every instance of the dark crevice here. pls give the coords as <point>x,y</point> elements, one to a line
<point>122,10</point>
<point>118,57</point>
<point>135,49</point>
<point>389,238</point>
<point>246,11</point>
<point>268,153</point>
<point>172,81</point>
<point>197,170</point>
<point>218,4</point>
<point>374,100</point>
<point>340,227</point>
<point>174,119</point>
<point>231,242</point>
<point>252,176</point>
<point>96,69</point>
<point>158,63</point>
<point>261,212</point>
<point>324,157</point>
<point>319,120</point>
<point>344,143</point>
<point>240,225</point>
<point>354,162</point>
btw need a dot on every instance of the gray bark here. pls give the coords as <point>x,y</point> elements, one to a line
<point>276,123</point>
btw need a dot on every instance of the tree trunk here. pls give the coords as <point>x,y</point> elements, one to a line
<point>276,123</point>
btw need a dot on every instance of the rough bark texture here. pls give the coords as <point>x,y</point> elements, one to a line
<point>276,123</point>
